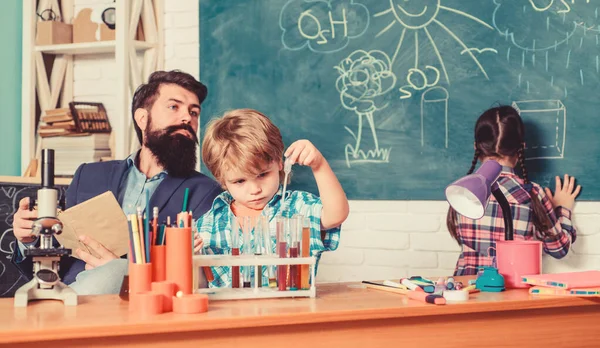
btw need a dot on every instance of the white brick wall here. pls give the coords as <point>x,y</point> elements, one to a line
<point>380,239</point>
<point>392,239</point>
<point>182,36</point>
<point>95,76</point>
<point>92,80</point>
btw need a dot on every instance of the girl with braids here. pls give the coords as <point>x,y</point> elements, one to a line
<point>537,214</point>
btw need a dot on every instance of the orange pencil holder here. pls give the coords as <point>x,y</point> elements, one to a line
<point>167,290</point>
<point>179,258</point>
<point>190,304</point>
<point>140,278</point>
<point>159,271</point>
<point>146,303</point>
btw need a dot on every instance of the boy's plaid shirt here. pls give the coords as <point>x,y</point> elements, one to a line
<point>215,227</point>
<point>478,236</point>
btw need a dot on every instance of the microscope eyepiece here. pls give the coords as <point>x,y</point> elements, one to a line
<point>48,168</point>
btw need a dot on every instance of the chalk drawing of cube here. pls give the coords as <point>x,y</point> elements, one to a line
<point>545,128</point>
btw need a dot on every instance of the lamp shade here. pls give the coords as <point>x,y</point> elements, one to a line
<point>469,195</point>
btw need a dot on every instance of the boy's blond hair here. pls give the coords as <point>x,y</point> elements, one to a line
<point>242,139</point>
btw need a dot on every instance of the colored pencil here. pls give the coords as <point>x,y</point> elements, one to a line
<point>131,245</point>
<point>413,295</point>
<point>136,239</point>
<point>154,224</point>
<point>185,199</point>
<point>147,227</point>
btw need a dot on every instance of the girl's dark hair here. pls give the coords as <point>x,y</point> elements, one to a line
<point>499,132</point>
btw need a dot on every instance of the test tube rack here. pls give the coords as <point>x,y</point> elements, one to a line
<point>255,291</point>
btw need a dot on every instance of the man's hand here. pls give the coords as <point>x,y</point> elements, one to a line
<point>23,222</point>
<point>90,260</point>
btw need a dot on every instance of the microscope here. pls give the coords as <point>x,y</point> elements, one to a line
<point>46,282</point>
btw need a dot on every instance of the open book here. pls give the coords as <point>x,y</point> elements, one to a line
<point>100,218</point>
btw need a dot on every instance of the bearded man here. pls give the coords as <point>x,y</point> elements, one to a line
<point>166,114</point>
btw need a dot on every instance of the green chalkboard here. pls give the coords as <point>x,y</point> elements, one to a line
<point>389,91</point>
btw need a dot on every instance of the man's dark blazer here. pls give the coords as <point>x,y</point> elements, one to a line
<point>93,179</point>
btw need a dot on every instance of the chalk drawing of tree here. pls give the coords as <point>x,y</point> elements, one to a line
<point>365,77</point>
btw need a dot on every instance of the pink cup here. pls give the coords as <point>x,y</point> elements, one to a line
<point>515,258</point>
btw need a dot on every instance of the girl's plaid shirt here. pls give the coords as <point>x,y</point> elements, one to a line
<point>478,236</point>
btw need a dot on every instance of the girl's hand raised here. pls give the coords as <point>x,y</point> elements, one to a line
<point>565,194</point>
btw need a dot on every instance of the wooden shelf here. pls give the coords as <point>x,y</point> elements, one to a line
<point>48,85</point>
<point>90,47</point>
<point>32,180</point>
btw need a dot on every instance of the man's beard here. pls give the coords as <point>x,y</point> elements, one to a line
<point>176,153</point>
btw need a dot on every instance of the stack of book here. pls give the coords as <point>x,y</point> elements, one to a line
<point>78,134</point>
<point>71,151</point>
<point>586,283</point>
<point>57,122</point>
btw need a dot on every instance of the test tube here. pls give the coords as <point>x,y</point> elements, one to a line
<point>235,251</point>
<point>259,245</point>
<point>268,249</point>
<point>305,269</point>
<point>294,225</point>
<point>247,227</point>
<point>281,252</point>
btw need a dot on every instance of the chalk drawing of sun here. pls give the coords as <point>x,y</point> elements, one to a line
<point>415,16</point>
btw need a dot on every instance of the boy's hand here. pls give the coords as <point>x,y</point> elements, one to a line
<point>305,153</point>
<point>198,244</point>
<point>565,193</point>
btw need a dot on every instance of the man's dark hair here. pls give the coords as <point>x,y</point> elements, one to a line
<point>145,95</point>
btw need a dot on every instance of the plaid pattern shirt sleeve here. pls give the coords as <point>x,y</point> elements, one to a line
<point>215,228</point>
<point>557,240</point>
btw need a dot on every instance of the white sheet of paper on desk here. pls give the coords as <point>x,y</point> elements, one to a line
<point>100,218</point>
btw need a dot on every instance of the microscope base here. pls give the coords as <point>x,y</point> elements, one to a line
<point>32,291</point>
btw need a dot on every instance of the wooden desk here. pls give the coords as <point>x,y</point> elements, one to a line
<point>343,315</point>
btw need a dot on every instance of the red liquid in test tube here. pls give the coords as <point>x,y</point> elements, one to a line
<point>235,250</point>
<point>282,253</point>
<point>295,230</point>
<point>235,270</point>
<point>294,274</point>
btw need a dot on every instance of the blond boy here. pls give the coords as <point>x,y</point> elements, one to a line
<point>243,149</point>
